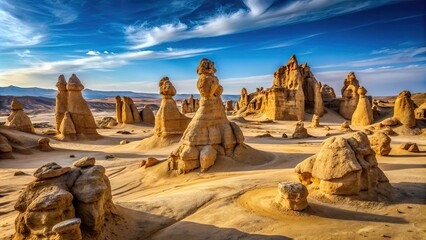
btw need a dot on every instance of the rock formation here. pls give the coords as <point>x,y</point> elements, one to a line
<point>350,96</point>
<point>344,167</point>
<point>327,92</point>
<point>420,112</point>
<point>229,106</point>
<point>147,115</point>
<point>129,112</point>
<point>345,127</point>
<point>404,109</point>
<point>43,145</point>
<point>49,205</point>
<point>169,122</point>
<point>381,143</point>
<point>73,112</point>
<point>119,109</point>
<point>190,105</point>
<point>294,90</point>
<point>209,135</point>
<point>363,114</point>
<point>315,121</point>
<point>409,146</point>
<point>107,122</point>
<point>5,148</point>
<point>18,119</point>
<point>300,131</point>
<point>292,196</point>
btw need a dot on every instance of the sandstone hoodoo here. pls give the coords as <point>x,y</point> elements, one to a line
<point>345,167</point>
<point>126,110</point>
<point>363,114</point>
<point>294,90</point>
<point>18,119</point>
<point>190,105</point>
<point>404,109</point>
<point>209,135</point>
<point>420,112</point>
<point>147,115</point>
<point>60,199</point>
<point>300,131</point>
<point>169,122</point>
<point>229,106</point>
<point>350,96</point>
<point>315,121</point>
<point>292,196</point>
<point>73,116</point>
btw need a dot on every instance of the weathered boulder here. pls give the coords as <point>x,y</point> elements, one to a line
<point>107,122</point>
<point>404,109</point>
<point>18,119</point>
<point>327,92</point>
<point>147,115</point>
<point>381,143</point>
<point>43,145</point>
<point>389,122</point>
<point>68,229</point>
<point>344,167</point>
<point>85,162</point>
<point>363,114</point>
<point>5,148</point>
<point>292,196</point>
<point>409,146</point>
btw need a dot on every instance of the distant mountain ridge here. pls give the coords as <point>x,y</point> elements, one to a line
<point>89,93</point>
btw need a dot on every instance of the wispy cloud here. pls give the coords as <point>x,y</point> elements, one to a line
<point>98,62</point>
<point>291,42</point>
<point>93,53</point>
<point>256,15</point>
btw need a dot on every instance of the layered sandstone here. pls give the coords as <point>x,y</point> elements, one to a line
<point>18,119</point>
<point>350,96</point>
<point>190,105</point>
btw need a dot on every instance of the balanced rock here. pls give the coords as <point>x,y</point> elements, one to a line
<point>404,109</point>
<point>363,114</point>
<point>50,170</point>
<point>43,145</point>
<point>300,131</point>
<point>209,135</point>
<point>73,114</point>
<point>381,143</point>
<point>18,119</point>
<point>350,96</point>
<point>292,196</point>
<point>170,124</point>
<point>344,167</point>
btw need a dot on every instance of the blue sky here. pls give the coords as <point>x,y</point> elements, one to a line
<point>130,45</point>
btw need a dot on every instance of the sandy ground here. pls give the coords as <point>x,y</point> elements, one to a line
<point>232,200</point>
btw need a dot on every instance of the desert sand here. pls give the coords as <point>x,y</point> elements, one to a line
<point>232,200</point>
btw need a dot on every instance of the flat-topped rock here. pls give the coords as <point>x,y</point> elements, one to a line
<point>85,162</point>
<point>67,225</point>
<point>292,196</point>
<point>50,170</point>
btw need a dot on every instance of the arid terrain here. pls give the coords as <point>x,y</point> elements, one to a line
<point>232,200</point>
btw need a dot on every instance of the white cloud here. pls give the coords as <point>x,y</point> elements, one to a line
<point>258,14</point>
<point>93,53</point>
<point>291,42</point>
<point>24,54</point>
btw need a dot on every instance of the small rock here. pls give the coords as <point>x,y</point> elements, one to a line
<point>43,145</point>
<point>124,142</point>
<point>142,163</point>
<point>49,132</point>
<point>124,132</point>
<point>72,156</point>
<point>151,162</point>
<point>264,135</point>
<point>85,162</point>
<point>109,156</point>
<point>284,135</point>
<point>292,196</point>
<point>327,128</point>
<point>414,148</point>
<point>19,173</point>
<point>367,131</point>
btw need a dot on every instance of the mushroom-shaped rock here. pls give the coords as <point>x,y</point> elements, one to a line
<point>50,170</point>
<point>68,229</point>
<point>43,145</point>
<point>381,143</point>
<point>292,196</point>
<point>85,162</point>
